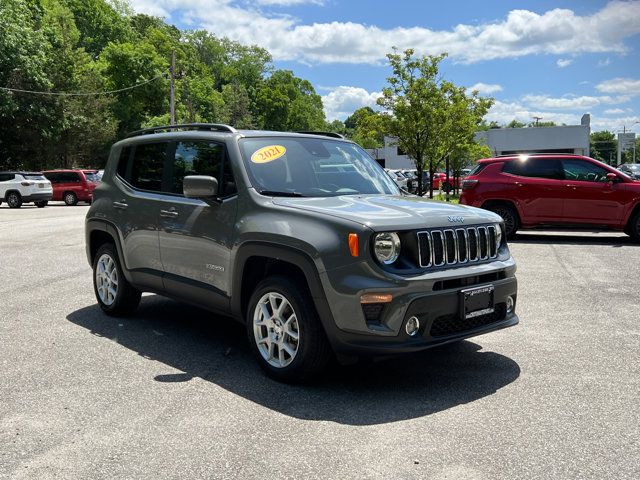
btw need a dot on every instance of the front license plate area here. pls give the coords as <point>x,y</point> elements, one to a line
<point>477,301</point>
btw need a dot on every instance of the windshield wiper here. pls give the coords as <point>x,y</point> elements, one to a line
<point>275,193</point>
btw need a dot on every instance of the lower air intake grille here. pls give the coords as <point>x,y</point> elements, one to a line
<point>452,324</point>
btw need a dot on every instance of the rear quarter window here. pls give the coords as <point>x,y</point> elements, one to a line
<point>478,168</point>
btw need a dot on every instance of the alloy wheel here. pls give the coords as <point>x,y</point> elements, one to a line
<point>107,279</point>
<point>275,329</point>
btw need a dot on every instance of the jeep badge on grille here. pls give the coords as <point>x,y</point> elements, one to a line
<point>454,219</point>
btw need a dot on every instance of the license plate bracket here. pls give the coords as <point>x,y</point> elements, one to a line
<point>477,301</point>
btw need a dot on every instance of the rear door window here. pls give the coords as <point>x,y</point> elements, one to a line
<point>147,167</point>
<point>549,168</point>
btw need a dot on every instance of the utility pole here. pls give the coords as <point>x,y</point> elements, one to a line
<point>172,99</point>
<point>537,119</point>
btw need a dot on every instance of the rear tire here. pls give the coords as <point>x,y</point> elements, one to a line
<point>284,331</point>
<point>633,228</point>
<point>510,217</point>
<point>115,295</point>
<point>41,204</point>
<point>14,200</point>
<point>70,199</point>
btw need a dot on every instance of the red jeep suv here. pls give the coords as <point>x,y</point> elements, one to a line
<point>571,190</point>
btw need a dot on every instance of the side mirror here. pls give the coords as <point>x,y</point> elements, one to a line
<point>200,186</point>
<point>612,177</point>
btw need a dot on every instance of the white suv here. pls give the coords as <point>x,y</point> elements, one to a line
<point>17,188</point>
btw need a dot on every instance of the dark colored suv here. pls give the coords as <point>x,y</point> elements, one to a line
<point>73,186</point>
<point>566,190</point>
<point>302,237</point>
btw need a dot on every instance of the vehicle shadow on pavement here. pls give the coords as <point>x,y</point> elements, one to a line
<point>562,238</point>
<point>200,344</point>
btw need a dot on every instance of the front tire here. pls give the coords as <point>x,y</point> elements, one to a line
<point>70,199</point>
<point>14,200</point>
<point>284,331</point>
<point>115,295</point>
<point>510,217</point>
<point>41,204</point>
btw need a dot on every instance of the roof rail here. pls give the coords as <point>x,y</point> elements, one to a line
<point>215,127</point>
<point>324,134</point>
<point>536,153</point>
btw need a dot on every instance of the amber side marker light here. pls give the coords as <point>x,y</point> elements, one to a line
<point>353,244</point>
<point>375,298</point>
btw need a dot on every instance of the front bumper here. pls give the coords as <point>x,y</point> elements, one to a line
<point>434,298</point>
<point>440,322</point>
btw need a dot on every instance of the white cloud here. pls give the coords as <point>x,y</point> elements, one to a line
<point>564,62</point>
<point>288,3</point>
<point>615,111</point>
<point>604,63</point>
<point>522,32</point>
<point>342,101</point>
<point>624,86</point>
<point>486,88</point>
<point>571,102</point>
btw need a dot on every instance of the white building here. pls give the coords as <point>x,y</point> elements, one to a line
<point>390,156</point>
<point>565,139</point>
<point>506,141</point>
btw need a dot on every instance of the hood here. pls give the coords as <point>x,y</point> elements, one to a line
<point>388,212</point>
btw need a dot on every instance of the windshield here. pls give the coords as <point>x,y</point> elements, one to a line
<point>34,176</point>
<point>634,167</point>
<point>312,167</point>
<point>92,177</point>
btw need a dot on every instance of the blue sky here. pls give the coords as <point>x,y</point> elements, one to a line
<point>553,59</point>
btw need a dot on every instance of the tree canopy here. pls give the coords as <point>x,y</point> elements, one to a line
<point>85,46</point>
<point>431,118</point>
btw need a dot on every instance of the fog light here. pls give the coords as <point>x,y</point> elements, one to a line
<point>412,326</point>
<point>511,303</point>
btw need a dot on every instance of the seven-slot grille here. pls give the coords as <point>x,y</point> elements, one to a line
<point>450,246</point>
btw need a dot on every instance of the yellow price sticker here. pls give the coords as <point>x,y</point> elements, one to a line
<point>268,154</point>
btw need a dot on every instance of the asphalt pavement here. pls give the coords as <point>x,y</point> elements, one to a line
<point>173,392</point>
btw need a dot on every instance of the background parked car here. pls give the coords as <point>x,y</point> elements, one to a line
<point>73,186</point>
<point>631,169</point>
<point>447,183</point>
<point>568,190</point>
<point>398,177</point>
<point>17,188</point>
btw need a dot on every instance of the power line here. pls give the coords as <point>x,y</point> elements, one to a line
<point>83,94</point>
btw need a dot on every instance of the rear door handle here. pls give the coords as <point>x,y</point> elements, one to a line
<point>121,205</point>
<point>171,213</point>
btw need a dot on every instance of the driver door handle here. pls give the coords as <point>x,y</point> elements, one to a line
<point>171,213</point>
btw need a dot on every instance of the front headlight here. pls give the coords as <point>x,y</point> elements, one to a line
<point>498,235</point>
<point>386,247</point>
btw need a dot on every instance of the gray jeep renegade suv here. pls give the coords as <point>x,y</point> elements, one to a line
<point>303,237</point>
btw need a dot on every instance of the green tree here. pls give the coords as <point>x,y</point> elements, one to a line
<point>515,124</point>
<point>237,106</point>
<point>24,60</point>
<point>429,116</point>
<point>603,146</point>
<point>99,23</point>
<point>288,103</point>
<point>128,64</point>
